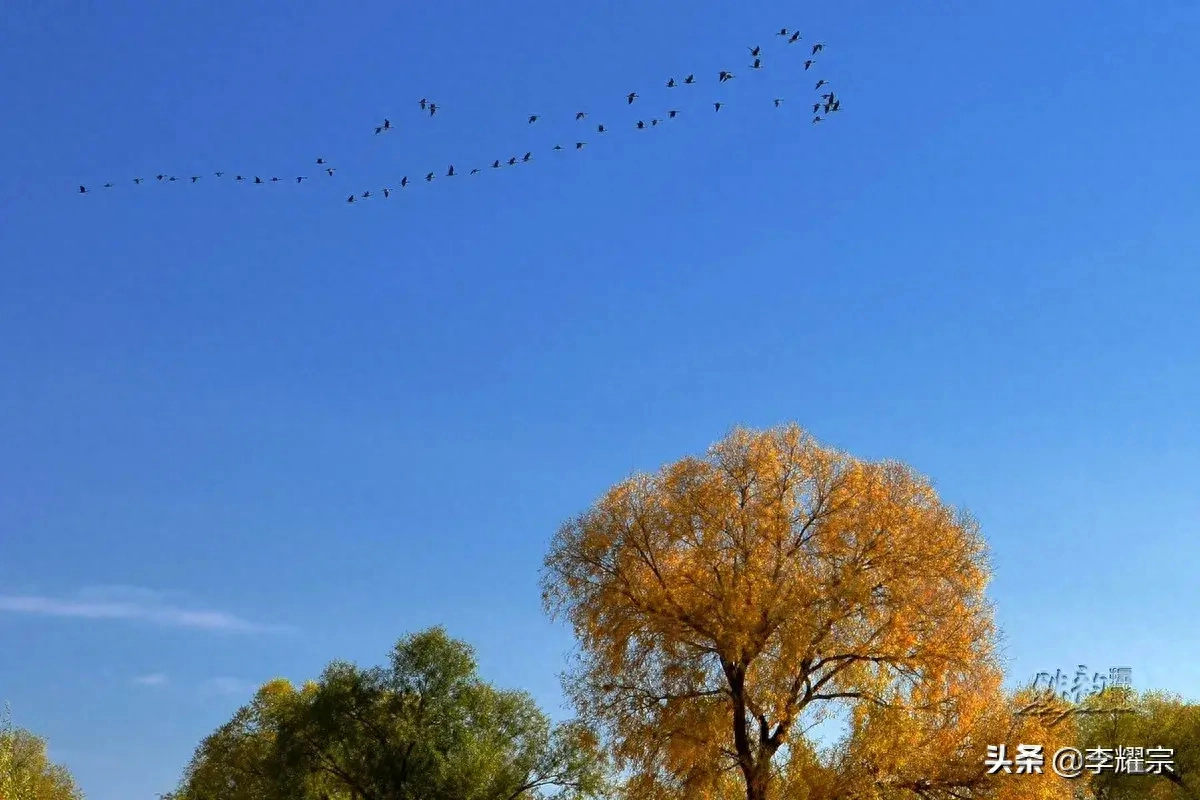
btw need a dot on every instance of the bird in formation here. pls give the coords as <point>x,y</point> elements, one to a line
<point>829,104</point>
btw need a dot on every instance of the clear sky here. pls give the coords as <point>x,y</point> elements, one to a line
<point>245,430</point>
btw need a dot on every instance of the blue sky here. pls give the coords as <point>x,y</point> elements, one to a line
<point>246,430</point>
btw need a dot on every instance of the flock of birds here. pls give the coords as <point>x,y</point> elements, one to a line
<point>826,103</point>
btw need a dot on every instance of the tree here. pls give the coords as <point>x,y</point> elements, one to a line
<point>730,602</point>
<point>1123,718</point>
<point>423,728</point>
<point>26,772</point>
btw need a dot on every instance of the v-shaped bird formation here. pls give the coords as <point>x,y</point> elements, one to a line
<point>681,93</point>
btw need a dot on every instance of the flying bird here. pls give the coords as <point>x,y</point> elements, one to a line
<point>404,182</point>
<point>821,83</point>
<point>137,180</point>
<point>512,161</point>
<point>424,103</point>
<point>631,97</point>
<point>366,194</point>
<point>160,177</point>
<point>641,124</point>
<point>672,114</point>
<point>717,106</point>
<point>671,83</point>
<point>195,178</point>
<point>108,186</point>
<point>432,109</point>
<point>301,178</point>
<point>527,157</point>
<point>558,147</point>
<point>757,64</point>
<point>782,32</point>
<point>579,145</point>
<point>778,101</point>
<point>690,79</point>
<point>257,179</point>
<point>239,179</point>
<point>83,189</point>
<point>350,199</point>
<point>475,171</point>
<point>172,179</point>
<point>808,64</point>
<point>600,129</point>
<point>274,180</point>
<point>387,124</point>
<point>378,129</point>
<point>837,105</point>
<point>795,38</point>
<point>580,114</point>
<point>816,119</point>
<point>429,177</point>
<point>320,161</point>
<point>386,193</point>
<point>533,118</point>
<point>755,51</point>
<point>654,122</point>
<point>496,164</point>
<point>724,76</point>
<point>218,174</point>
<point>818,47</point>
<point>450,172</point>
<point>330,171</point>
<point>816,107</point>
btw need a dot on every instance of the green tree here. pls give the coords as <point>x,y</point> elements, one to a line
<point>26,772</point>
<point>424,727</point>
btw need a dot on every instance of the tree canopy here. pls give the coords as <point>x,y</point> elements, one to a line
<point>730,602</point>
<point>424,727</point>
<point>26,771</point>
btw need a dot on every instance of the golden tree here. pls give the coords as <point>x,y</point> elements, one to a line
<point>729,603</point>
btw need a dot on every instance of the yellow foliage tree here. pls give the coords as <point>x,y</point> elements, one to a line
<point>730,602</point>
<point>26,772</point>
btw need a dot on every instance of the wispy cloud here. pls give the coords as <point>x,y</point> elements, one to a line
<point>130,604</point>
<point>154,679</point>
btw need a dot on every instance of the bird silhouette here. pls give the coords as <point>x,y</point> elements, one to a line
<point>808,64</point>
<point>301,178</point>
<point>512,161</point>
<point>404,182</point>
<point>172,179</point>
<point>795,38</point>
<point>654,122</point>
<point>671,83</point>
<point>690,79</point>
<point>837,105</point>
<point>558,147</point>
<point>195,178</point>
<point>108,186</point>
<point>672,114</point>
<point>757,64</point>
<point>778,101</point>
<point>527,157</point>
<point>137,181</point>
<point>724,76</point>
<point>386,193</point>
<point>641,124</point>
<point>631,97</point>
<point>816,107</point>
<point>378,129</point>
<point>83,189</point>
<point>579,145</point>
<point>274,180</point>
<point>816,119</point>
<point>239,179</point>
<point>475,171</point>
<point>218,174</point>
<point>432,109</point>
<point>533,118</point>
<point>160,177</point>
<point>496,164</point>
<point>387,124</point>
<point>450,172</point>
<point>755,52</point>
<point>350,199</point>
<point>320,161</point>
<point>580,115</point>
<point>258,179</point>
<point>429,178</point>
<point>717,106</point>
<point>818,47</point>
<point>782,32</point>
<point>600,129</point>
<point>821,83</point>
<point>424,103</point>
<point>330,170</point>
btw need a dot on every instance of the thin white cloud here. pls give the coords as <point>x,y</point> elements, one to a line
<point>147,609</point>
<point>154,679</point>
